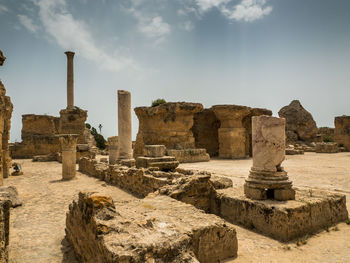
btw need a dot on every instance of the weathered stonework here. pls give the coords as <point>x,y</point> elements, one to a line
<point>113,149</point>
<point>155,229</point>
<point>4,229</point>
<point>327,147</point>
<point>300,125</point>
<point>124,125</point>
<point>164,163</point>
<point>342,131</point>
<point>68,148</point>
<point>167,124</point>
<point>6,108</point>
<point>311,211</point>
<point>267,179</point>
<point>72,121</point>
<point>234,133</point>
<point>205,131</point>
<point>190,155</point>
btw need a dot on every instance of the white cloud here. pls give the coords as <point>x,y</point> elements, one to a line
<point>247,10</point>
<point>27,23</point>
<point>3,9</point>
<point>73,34</point>
<point>151,26</point>
<point>205,5</point>
<point>188,26</point>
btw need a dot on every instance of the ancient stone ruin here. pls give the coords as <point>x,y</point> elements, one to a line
<point>342,131</point>
<point>300,125</point>
<point>124,125</point>
<point>267,178</point>
<point>68,148</point>
<point>40,132</point>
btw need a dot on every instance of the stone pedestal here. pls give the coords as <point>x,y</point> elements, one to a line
<point>155,157</point>
<point>68,147</point>
<point>232,133</point>
<point>70,80</point>
<point>113,149</point>
<point>267,179</point>
<point>124,124</point>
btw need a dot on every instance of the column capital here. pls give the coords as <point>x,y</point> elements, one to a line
<point>69,53</point>
<point>68,141</point>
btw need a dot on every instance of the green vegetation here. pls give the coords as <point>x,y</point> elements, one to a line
<point>100,140</point>
<point>341,145</point>
<point>158,102</point>
<point>347,221</point>
<point>302,241</point>
<point>327,139</point>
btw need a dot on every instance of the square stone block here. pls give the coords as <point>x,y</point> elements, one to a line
<point>154,150</point>
<point>310,212</point>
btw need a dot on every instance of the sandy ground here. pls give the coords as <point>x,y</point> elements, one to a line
<point>37,228</point>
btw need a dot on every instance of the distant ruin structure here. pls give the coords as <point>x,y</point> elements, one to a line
<point>6,108</point>
<point>124,125</point>
<point>267,178</point>
<point>39,132</point>
<point>68,148</point>
<point>342,131</point>
<point>300,125</point>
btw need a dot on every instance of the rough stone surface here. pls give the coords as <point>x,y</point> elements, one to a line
<point>300,125</point>
<point>221,182</point>
<point>155,229</point>
<point>205,131</point>
<point>10,193</point>
<point>309,213</point>
<point>342,131</point>
<point>325,134</point>
<point>190,155</point>
<point>6,109</point>
<point>72,121</point>
<point>164,163</point>
<point>69,146</point>
<point>155,150</point>
<point>113,149</point>
<point>167,124</point>
<point>46,158</point>
<point>4,229</point>
<point>327,147</point>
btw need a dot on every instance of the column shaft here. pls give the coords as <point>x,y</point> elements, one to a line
<point>124,124</point>
<point>70,80</point>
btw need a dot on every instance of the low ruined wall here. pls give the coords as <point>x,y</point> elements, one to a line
<point>33,125</point>
<point>188,186</point>
<point>155,229</point>
<point>190,155</point>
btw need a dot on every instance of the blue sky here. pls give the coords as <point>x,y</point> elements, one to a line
<point>259,53</point>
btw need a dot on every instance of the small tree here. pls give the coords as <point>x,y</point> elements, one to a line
<point>158,102</point>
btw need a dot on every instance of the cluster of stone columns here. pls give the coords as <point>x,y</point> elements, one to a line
<point>267,178</point>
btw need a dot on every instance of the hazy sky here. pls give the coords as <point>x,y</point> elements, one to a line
<point>260,53</point>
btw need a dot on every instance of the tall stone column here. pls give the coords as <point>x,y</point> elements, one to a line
<point>232,134</point>
<point>267,179</point>
<point>113,149</point>
<point>69,151</point>
<point>124,124</point>
<point>70,79</point>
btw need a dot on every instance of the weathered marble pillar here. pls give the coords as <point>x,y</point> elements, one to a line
<point>113,149</point>
<point>70,80</point>
<point>68,147</point>
<point>267,179</point>
<point>232,134</point>
<point>124,124</point>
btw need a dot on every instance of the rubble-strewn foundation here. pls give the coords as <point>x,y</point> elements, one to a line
<point>310,212</point>
<point>155,229</point>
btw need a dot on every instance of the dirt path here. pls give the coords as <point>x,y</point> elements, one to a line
<point>37,228</point>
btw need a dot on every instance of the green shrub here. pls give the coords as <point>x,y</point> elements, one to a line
<point>87,125</point>
<point>100,140</point>
<point>158,102</point>
<point>341,145</point>
<point>327,139</point>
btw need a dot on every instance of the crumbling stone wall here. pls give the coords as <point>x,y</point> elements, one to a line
<point>342,131</point>
<point>205,131</point>
<point>154,229</point>
<point>72,121</point>
<point>4,229</point>
<point>6,108</point>
<point>167,124</point>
